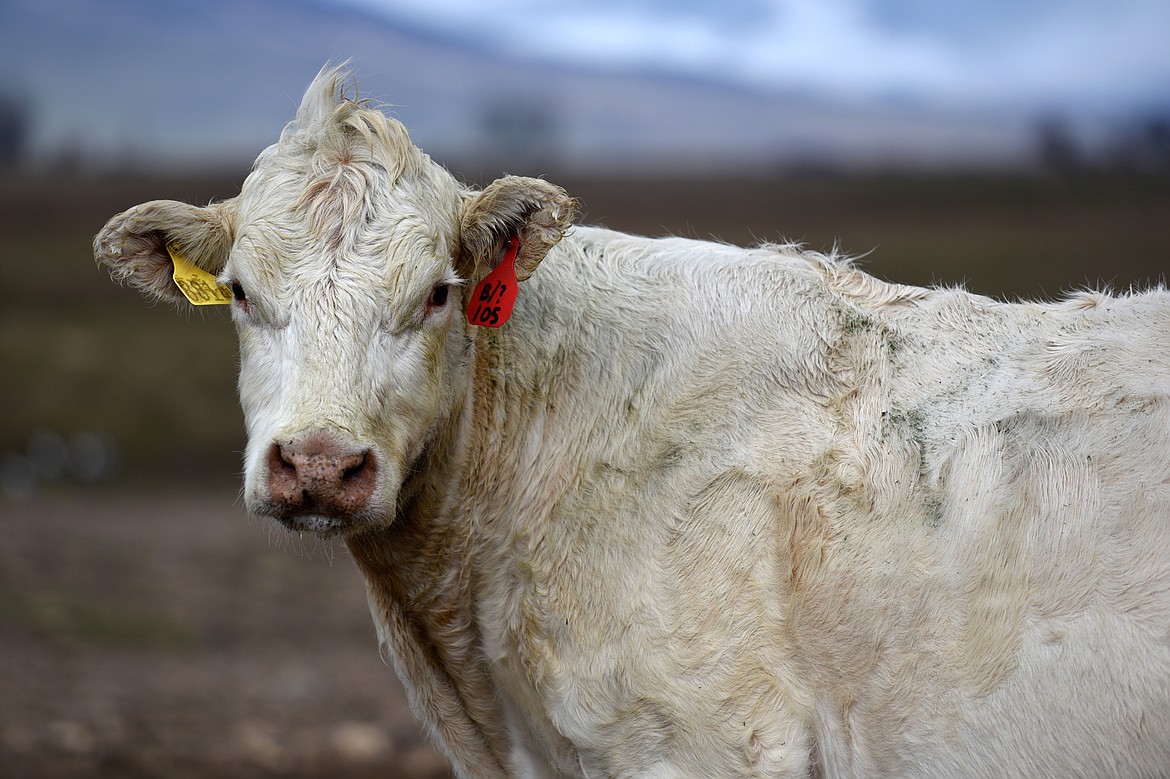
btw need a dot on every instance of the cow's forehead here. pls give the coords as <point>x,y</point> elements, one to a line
<point>384,276</point>
<point>354,212</point>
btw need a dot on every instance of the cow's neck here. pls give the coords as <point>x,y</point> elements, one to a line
<point>418,586</point>
<point>490,461</point>
<point>418,570</point>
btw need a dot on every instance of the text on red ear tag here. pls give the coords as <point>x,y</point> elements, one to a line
<point>493,298</point>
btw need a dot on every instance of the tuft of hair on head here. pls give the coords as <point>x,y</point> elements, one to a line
<point>334,127</point>
<point>325,92</point>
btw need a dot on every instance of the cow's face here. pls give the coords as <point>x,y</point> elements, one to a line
<point>348,254</point>
<point>344,285</point>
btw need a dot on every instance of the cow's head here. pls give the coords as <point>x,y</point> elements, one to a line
<point>349,255</point>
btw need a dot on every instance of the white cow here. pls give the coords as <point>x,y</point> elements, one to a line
<point>695,510</point>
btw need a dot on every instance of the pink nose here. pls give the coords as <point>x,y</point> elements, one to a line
<point>319,475</point>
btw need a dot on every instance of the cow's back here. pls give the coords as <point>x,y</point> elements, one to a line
<point>1002,603</point>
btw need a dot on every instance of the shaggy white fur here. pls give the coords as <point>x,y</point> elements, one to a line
<point>698,510</point>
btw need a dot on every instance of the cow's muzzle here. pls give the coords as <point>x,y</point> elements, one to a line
<point>319,483</point>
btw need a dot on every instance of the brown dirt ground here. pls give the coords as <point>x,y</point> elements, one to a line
<point>166,634</point>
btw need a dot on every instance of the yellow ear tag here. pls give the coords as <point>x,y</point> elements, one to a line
<point>196,284</point>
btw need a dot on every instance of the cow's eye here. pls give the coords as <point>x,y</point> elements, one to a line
<point>439,296</point>
<point>238,293</point>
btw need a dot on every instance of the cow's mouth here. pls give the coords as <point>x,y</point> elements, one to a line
<point>317,524</point>
<point>323,525</point>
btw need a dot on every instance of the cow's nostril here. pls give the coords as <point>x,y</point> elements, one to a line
<point>354,471</point>
<point>281,462</point>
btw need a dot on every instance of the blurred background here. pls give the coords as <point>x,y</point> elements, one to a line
<point>147,627</point>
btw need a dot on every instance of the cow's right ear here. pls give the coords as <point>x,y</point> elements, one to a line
<point>532,210</point>
<point>133,245</point>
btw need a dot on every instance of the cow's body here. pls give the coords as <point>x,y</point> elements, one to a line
<point>706,511</point>
<point>805,517</point>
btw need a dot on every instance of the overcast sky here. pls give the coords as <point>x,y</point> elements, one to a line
<point>1105,53</point>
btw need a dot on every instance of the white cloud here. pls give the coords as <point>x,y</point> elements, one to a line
<point>984,53</point>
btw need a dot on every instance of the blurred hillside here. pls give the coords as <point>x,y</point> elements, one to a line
<point>705,86</point>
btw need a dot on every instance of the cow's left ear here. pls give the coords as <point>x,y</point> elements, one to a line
<point>133,245</point>
<point>536,211</point>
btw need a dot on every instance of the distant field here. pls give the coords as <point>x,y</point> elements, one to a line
<point>82,354</point>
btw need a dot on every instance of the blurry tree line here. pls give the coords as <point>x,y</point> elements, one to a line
<point>14,124</point>
<point>1140,145</point>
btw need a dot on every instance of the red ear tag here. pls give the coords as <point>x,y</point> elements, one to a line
<point>492,299</point>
